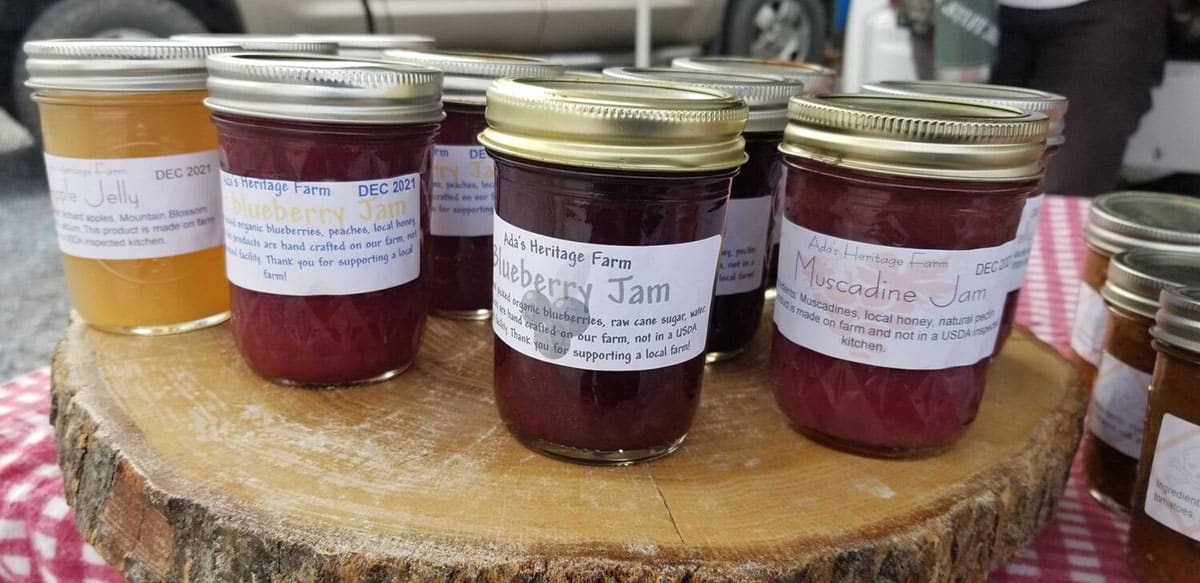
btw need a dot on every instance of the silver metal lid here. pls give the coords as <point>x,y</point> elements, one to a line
<point>817,79</point>
<point>125,65</point>
<point>1137,277</point>
<point>1178,319</point>
<point>324,89</point>
<point>766,95</point>
<point>1151,220</point>
<point>264,42</point>
<point>1051,104</point>
<point>371,46</point>
<point>467,75</point>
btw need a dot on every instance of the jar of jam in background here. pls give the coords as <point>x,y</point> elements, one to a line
<point>324,167</point>
<point>1052,105</point>
<point>1116,420</point>
<point>610,200</point>
<point>741,277</point>
<point>273,43</point>
<point>817,79</point>
<point>373,46</point>
<point>1164,531</point>
<point>894,259</point>
<point>131,161</point>
<point>1117,222</point>
<point>458,277</point>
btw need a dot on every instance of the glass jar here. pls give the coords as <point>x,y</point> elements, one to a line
<point>324,167</point>
<point>741,278</point>
<point>131,160</point>
<point>1117,222</point>
<point>1054,106</point>
<point>1164,531</point>
<point>610,200</point>
<point>816,79</point>
<point>458,277</point>
<point>900,217</point>
<point>1118,410</point>
<point>372,46</point>
<point>273,43</point>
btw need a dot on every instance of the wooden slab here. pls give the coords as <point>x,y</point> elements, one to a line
<point>181,465</point>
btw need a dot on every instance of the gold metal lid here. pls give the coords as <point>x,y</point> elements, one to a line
<point>1137,277</point>
<point>120,65</point>
<point>616,125</point>
<point>1031,100</point>
<point>765,95</point>
<point>1178,318</point>
<point>280,43</point>
<point>943,139</point>
<point>323,89</point>
<point>371,46</point>
<point>468,75</point>
<point>1143,220</point>
<point>816,78</point>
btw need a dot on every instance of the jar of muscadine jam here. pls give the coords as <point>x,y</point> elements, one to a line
<point>131,160</point>
<point>1117,222</point>
<point>1118,410</point>
<point>610,199</point>
<point>324,164</point>
<point>274,43</point>
<point>894,259</point>
<point>1054,107</point>
<point>741,279</point>
<point>1164,532</point>
<point>372,46</point>
<point>816,79</point>
<point>462,181</point>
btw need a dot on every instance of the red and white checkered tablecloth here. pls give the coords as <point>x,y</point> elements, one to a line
<point>1083,544</point>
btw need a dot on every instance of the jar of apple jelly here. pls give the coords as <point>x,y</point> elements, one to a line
<point>1054,106</point>
<point>610,200</point>
<point>1115,422</point>
<point>816,79</point>
<point>1117,222</point>
<point>1164,533</point>
<point>737,307</point>
<point>131,159</point>
<point>324,164</point>
<point>894,262</point>
<point>372,46</point>
<point>458,277</point>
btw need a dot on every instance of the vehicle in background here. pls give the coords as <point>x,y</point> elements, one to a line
<point>782,29</point>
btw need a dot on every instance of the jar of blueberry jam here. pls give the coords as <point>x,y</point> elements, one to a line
<point>1054,106</point>
<point>458,277</point>
<point>324,166</point>
<point>894,258</point>
<point>610,200</point>
<point>741,277</point>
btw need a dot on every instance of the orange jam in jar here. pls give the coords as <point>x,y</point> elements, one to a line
<point>1117,222</point>
<point>1164,532</point>
<point>131,159</point>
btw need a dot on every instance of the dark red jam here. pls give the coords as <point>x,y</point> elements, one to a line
<point>869,408</point>
<point>327,339</point>
<point>459,276</point>
<point>571,410</point>
<point>736,316</point>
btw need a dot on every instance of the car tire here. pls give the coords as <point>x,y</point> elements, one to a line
<point>790,30</point>
<point>90,18</point>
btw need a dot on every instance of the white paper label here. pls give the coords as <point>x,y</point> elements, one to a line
<point>1119,405</point>
<point>136,208</point>
<point>321,238</point>
<point>743,251</point>
<point>915,309</point>
<point>1023,245</point>
<point>1090,326</point>
<point>1173,493</point>
<point>463,183</point>
<point>601,307</point>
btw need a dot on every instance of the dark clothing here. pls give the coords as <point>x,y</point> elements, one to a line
<point>1104,56</point>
